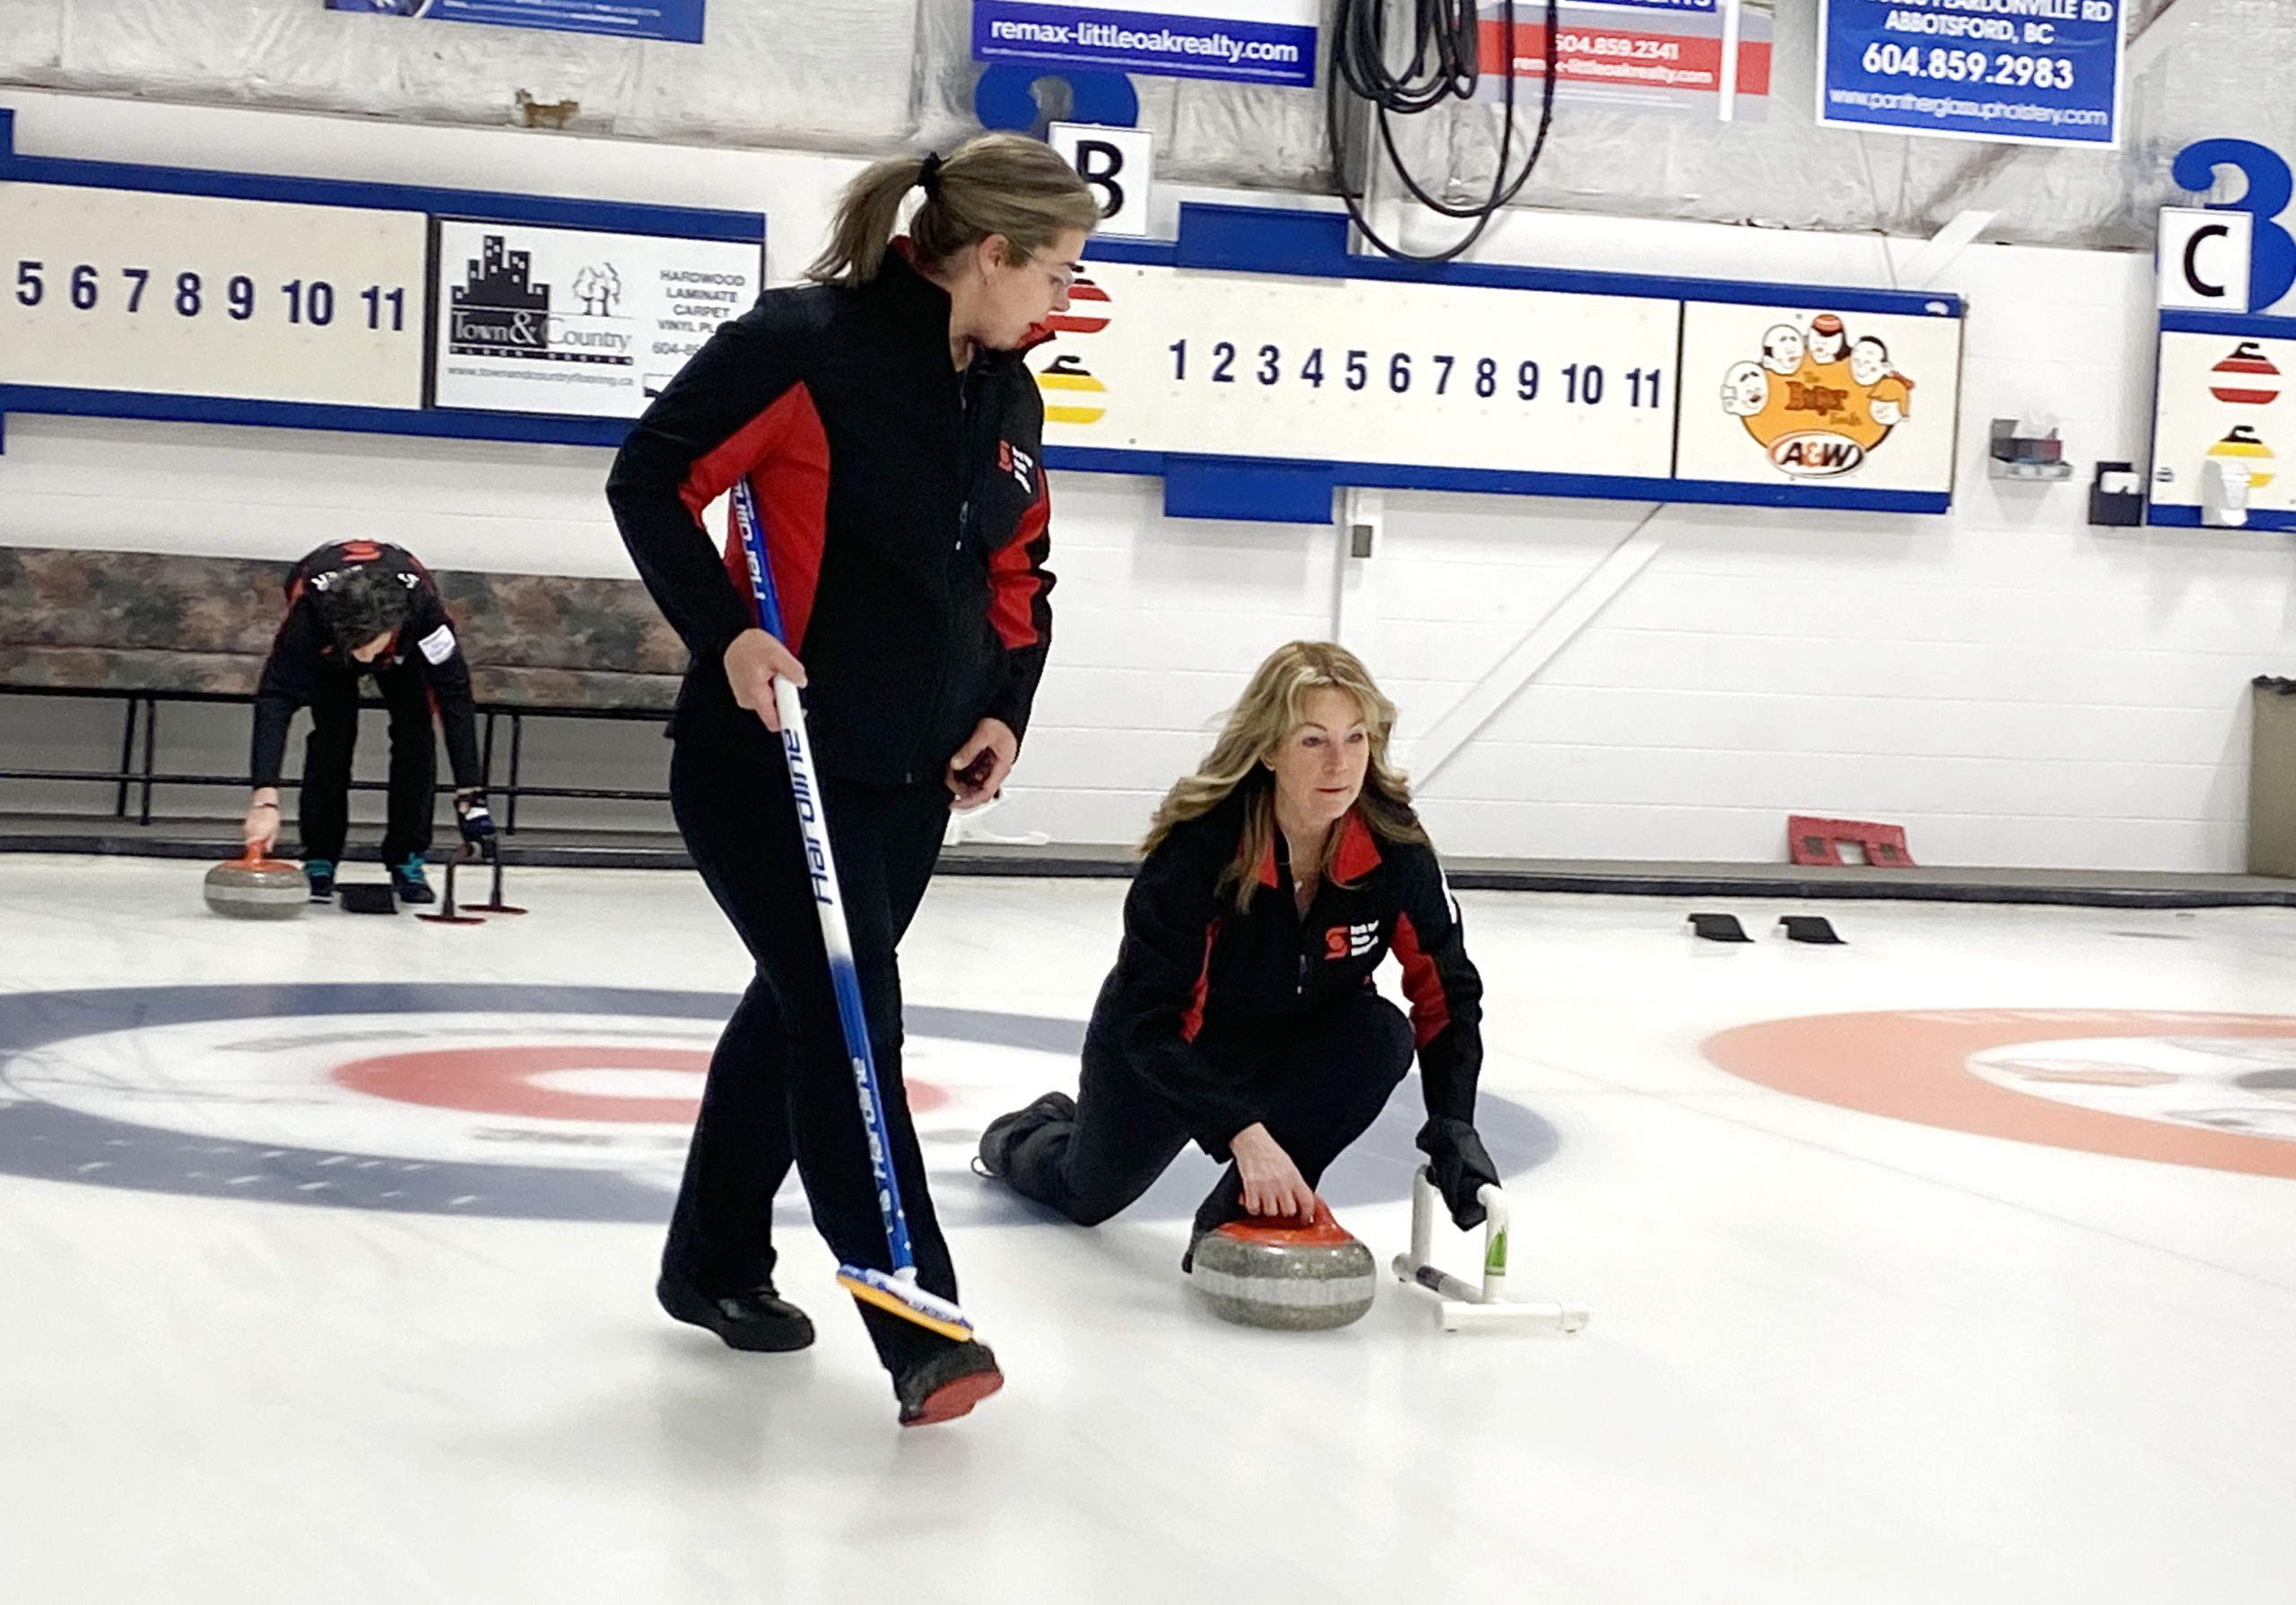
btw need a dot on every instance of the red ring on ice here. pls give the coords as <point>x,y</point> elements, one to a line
<point>1913,1065</point>
<point>501,1080</point>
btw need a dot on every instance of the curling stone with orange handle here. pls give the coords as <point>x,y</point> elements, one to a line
<point>254,887</point>
<point>1266,1271</point>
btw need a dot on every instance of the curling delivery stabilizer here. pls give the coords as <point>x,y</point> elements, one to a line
<point>895,1291</point>
<point>1463,1306</point>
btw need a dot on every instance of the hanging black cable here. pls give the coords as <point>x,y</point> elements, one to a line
<point>1445,65</point>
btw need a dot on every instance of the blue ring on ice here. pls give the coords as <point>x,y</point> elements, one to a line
<point>44,1141</point>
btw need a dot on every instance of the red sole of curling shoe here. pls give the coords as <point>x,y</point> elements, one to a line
<point>955,1399</point>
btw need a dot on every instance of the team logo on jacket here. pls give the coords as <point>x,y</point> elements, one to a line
<point>1821,400</point>
<point>1351,941</point>
<point>1019,464</point>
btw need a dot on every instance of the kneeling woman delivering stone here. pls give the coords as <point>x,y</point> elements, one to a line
<point>1241,1011</point>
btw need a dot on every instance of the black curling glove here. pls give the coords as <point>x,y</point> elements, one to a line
<point>1461,1166</point>
<point>476,824</point>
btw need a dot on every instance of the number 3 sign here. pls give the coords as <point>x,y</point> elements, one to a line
<point>2272,252</point>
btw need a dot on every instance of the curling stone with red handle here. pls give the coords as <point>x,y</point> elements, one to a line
<point>254,887</point>
<point>1268,1272</point>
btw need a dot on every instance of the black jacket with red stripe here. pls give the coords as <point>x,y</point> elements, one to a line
<point>904,511</point>
<point>304,649</point>
<point>1192,965</point>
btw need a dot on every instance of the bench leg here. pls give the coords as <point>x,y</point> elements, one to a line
<point>510,795</point>
<point>151,731</point>
<point>126,757</point>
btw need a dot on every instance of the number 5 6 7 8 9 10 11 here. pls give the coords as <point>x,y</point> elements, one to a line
<point>85,287</point>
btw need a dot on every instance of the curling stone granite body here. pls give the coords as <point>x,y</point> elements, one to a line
<point>1298,1278</point>
<point>258,889</point>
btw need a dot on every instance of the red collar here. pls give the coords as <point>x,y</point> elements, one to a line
<point>1358,854</point>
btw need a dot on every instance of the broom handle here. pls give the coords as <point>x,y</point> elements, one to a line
<point>813,824</point>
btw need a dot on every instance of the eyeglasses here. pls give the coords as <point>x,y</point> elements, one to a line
<point>1063,274</point>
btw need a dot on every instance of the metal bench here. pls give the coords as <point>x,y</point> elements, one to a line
<point>142,629</point>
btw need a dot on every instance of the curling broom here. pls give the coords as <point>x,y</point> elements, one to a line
<point>897,1292</point>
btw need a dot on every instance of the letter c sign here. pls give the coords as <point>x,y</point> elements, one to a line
<point>2204,258</point>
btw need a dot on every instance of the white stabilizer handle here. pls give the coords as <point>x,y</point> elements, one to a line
<point>1467,1307</point>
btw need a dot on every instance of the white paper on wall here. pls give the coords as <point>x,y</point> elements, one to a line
<point>2228,398</point>
<point>1329,370</point>
<point>204,295</point>
<point>1815,397</point>
<point>576,321</point>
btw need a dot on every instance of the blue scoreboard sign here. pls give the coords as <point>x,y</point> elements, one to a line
<point>2029,71</point>
<point>1251,41</point>
<point>677,20</point>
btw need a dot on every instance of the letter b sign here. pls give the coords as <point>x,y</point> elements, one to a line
<point>1118,164</point>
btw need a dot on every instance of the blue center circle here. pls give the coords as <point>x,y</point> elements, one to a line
<point>46,1140</point>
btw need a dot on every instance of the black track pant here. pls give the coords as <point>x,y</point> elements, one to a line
<point>1322,1080</point>
<point>780,1083</point>
<point>325,799</point>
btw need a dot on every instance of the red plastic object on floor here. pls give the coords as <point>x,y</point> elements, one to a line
<point>1817,841</point>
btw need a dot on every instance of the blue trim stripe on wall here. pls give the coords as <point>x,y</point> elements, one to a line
<point>617,217</point>
<point>684,222</point>
<point>444,423</point>
<point>2189,517</point>
<point>1229,238</point>
<point>1314,244</point>
<point>2237,324</point>
<point>1254,502</point>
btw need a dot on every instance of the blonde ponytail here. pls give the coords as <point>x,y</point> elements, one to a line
<point>1004,184</point>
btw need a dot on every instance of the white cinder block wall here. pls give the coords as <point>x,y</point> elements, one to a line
<point>2014,686</point>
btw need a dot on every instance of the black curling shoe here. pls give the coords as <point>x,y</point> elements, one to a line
<point>1006,1132</point>
<point>948,1385</point>
<point>758,1321</point>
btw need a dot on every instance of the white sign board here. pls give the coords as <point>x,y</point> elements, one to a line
<point>1819,396</point>
<point>571,322</point>
<point>2232,399</point>
<point>1252,41</point>
<point>1118,163</point>
<point>1347,370</point>
<point>201,295</point>
<point>2204,259</point>
<point>1446,377</point>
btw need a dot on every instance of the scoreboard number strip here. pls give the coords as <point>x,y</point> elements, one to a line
<point>201,295</point>
<point>1591,386</point>
<point>1334,370</point>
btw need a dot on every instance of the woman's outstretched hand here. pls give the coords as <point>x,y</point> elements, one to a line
<point>1273,1184</point>
<point>751,662</point>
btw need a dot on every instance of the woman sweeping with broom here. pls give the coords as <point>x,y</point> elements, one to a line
<point>888,434</point>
